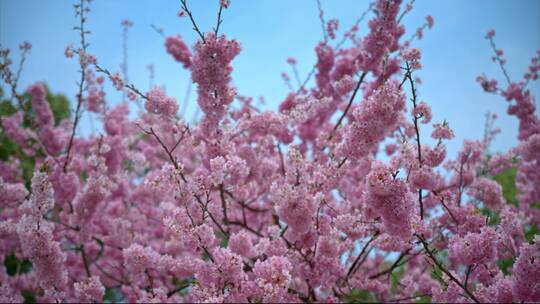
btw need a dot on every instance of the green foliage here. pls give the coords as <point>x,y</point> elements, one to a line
<point>436,274</point>
<point>83,175</point>
<point>505,265</point>
<point>16,266</point>
<point>424,299</point>
<point>531,232</point>
<point>507,180</point>
<point>128,165</point>
<point>60,106</point>
<point>182,285</point>
<point>7,147</point>
<point>395,278</point>
<point>493,216</point>
<point>360,296</point>
<point>28,296</point>
<point>113,295</point>
<point>205,256</point>
<point>224,240</point>
<point>6,108</point>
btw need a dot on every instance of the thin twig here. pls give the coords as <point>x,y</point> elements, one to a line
<point>245,226</point>
<point>498,59</point>
<point>223,204</point>
<point>177,167</point>
<point>81,11</point>
<point>85,261</point>
<point>408,75</point>
<point>432,257</point>
<point>323,23</point>
<point>364,14</point>
<point>219,21</point>
<point>337,47</point>
<point>188,12</point>
<point>390,269</point>
<point>351,99</point>
<point>353,267</point>
<point>178,289</point>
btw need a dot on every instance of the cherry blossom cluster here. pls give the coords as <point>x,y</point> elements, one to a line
<point>334,197</point>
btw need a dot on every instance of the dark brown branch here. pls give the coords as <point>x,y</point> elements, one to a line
<point>177,289</point>
<point>342,162</point>
<point>417,131</point>
<point>338,123</point>
<point>432,257</point>
<point>245,226</point>
<point>447,209</point>
<point>219,21</point>
<point>85,261</point>
<point>175,164</point>
<point>395,265</point>
<point>337,47</point>
<point>353,267</point>
<point>470,268</point>
<point>323,24</point>
<point>288,243</point>
<point>80,99</point>
<point>499,60</point>
<point>223,204</point>
<point>127,86</point>
<point>188,12</point>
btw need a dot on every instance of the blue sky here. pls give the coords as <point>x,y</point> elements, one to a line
<point>454,51</point>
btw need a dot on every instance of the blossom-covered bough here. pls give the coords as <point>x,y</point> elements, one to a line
<point>296,205</point>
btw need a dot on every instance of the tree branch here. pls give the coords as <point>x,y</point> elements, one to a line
<point>443,269</point>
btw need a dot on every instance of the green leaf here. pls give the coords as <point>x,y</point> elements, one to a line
<point>360,296</point>
<point>128,165</point>
<point>28,296</point>
<point>183,283</point>
<point>531,232</point>
<point>60,106</point>
<point>7,147</point>
<point>504,265</point>
<point>424,299</point>
<point>224,241</point>
<point>12,264</point>
<point>6,108</point>
<point>507,180</point>
<point>494,218</point>
<point>83,175</point>
<point>16,266</point>
<point>395,278</point>
<point>26,266</point>
<point>113,295</point>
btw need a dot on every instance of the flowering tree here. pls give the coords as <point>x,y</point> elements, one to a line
<point>246,205</point>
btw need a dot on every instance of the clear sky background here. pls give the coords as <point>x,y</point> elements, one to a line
<point>454,51</point>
